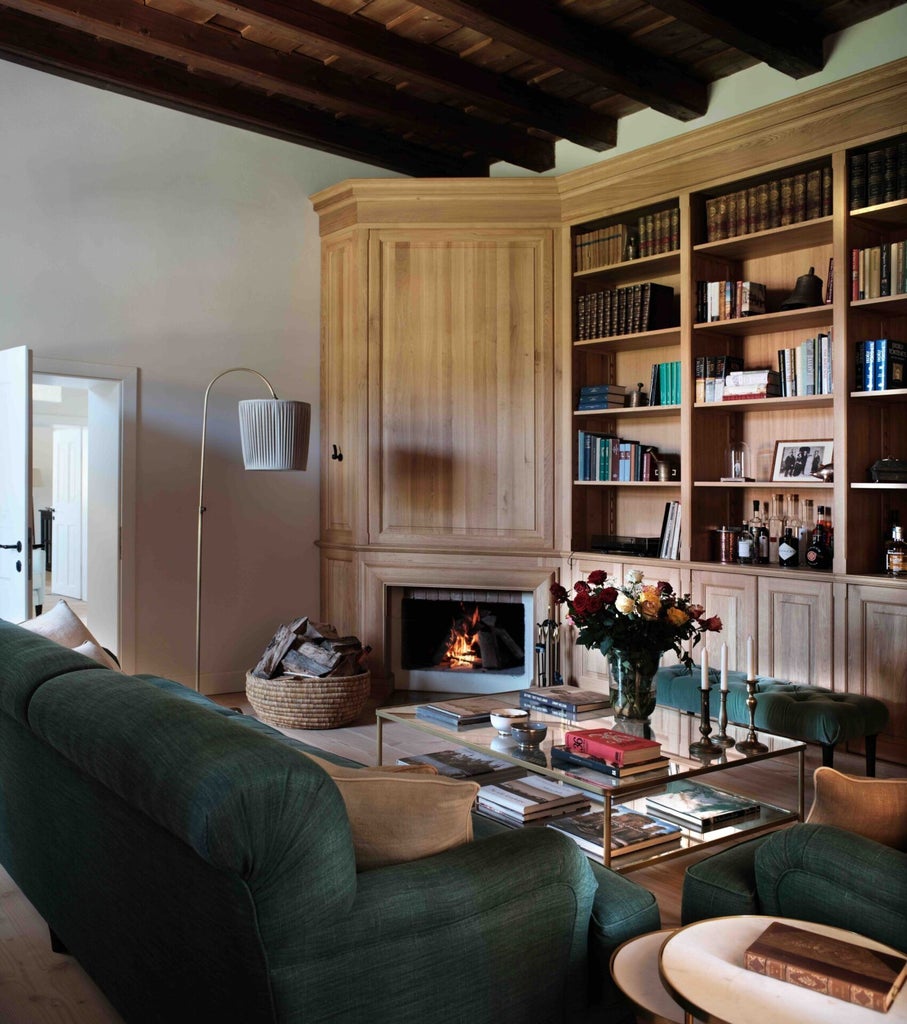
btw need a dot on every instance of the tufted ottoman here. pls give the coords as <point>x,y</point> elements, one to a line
<point>801,712</point>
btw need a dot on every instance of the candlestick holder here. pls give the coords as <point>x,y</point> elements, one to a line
<point>706,747</point>
<point>751,744</point>
<point>722,739</point>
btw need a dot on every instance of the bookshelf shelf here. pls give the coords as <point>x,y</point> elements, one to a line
<point>885,304</point>
<point>788,485</point>
<point>799,402</point>
<point>768,323</point>
<point>893,394</point>
<point>640,410</point>
<point>630,342</point>
<point>804,235</point>
<point>879,487</point>
<point>887,215</point>
<point>627,483</point>
<point>644,267</point>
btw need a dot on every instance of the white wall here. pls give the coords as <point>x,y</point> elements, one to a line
<point>138,236</point>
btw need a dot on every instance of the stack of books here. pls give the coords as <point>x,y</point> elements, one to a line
<point>601,247</point>
<point>530,798</point>
<point>648,306</point>
<point>568,702</point>
<point>728,300</point>
<point>601,396</point>
<point>461,711</point>
<point>607,457</point>
<point>878,175</point>
<point>881,364</point>
<point>460,763</point>
<point>742,384</point>
<point>630,830</point>
<point>669,543</point>
<point>580,764</point>
<point>711,373</point>
<point>664,384</point>
<point>701,808</point>
<point>878,270</point>
<point>619,748</point>
<point>770,204</point>
<point>806,368</point>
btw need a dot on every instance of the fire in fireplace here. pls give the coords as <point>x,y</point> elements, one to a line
<point>455,636</point>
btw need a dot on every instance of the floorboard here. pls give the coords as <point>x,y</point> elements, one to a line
<point>41,987</point>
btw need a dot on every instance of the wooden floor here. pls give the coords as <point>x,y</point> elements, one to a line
<point>41,987</point>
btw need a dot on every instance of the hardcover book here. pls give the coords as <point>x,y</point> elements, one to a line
<point>461,764</point>
<point>533,796</point>
<point>630,830</point>
<point>618,747</point>
<point>563,757</point>
<point>464,711</point>
<point>699,807</point>
<point>563,698</point>
<point>831,966</point>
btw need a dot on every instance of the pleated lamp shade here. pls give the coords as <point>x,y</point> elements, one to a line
<point>275,433</point>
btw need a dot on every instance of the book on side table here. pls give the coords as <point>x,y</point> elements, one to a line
<point>701,808</point>
<point>630,830</point>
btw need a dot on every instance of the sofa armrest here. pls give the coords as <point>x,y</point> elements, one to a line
<point>723,884</point>
<point>824,874</point>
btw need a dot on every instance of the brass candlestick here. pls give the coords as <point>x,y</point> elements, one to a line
<point>751,745</point>
<point>722,739</point>
<point>706,747</point>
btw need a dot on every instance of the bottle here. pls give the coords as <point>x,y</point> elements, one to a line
<point>775,527</point>
<point>896,552</point>
<point>818,555</point>
<point>745,545</point>
<point>829,533</point>
<point>807,524</point>
<point>762,544</point>
<point>789,549</point>
<point>792,520</point>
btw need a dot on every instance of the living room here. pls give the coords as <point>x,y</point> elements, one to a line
<point>145,238</point>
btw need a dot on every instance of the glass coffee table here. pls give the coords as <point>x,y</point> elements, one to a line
<point>726,771</point>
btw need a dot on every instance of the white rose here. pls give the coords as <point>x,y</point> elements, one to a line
<point>634,576</point>
<point>624,603</point>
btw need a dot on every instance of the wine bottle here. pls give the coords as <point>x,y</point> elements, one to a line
<point>818,554</point>
<point>789,549</point>
<point>896,553</point>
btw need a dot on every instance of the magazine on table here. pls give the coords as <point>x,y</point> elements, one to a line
<point>630,830</point>
<point>701,807</point>
<point>459,763</point>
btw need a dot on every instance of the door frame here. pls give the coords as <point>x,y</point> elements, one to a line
<point>128,378</point>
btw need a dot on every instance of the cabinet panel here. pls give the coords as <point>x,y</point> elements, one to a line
<point>877,658</point>
<point>461,387</point>
<point>733,599</point>
<point>795,630</point>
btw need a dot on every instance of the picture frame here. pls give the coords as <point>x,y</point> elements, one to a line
<point>799,460</point>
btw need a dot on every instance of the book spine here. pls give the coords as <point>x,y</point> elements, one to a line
<point>815,980</point>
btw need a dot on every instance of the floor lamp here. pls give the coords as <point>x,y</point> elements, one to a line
<point>275,435</point>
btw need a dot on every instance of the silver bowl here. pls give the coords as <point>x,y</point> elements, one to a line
<point>529,734</point>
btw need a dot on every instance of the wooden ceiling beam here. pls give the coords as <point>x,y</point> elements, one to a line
<point>38,44</point>
<point>606,58</point>
<point>290,75</point>
<point>430,65</point>
<point>787,44</point>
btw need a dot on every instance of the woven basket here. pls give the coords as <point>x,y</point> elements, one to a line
<point>296,703</point>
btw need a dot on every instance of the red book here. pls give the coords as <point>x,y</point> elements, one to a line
<point>619,748</point>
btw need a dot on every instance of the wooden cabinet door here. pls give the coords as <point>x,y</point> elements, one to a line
<point>732,597</point>
<point>877,658</point>
<point>461,379</point>
<point>795,630</point>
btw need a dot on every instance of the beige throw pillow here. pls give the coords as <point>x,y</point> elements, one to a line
<point>399,815</point>
<point>92,650</point>
<point>875,808</point>
<point>62,625</point>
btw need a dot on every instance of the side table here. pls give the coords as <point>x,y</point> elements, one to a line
<point>634,967</point>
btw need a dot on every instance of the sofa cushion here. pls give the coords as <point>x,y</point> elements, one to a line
<point>62,625</point>
<point>875,808</point>
<point>398,816</point>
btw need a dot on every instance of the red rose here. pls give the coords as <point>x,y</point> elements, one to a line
<point>713,625</point>
<point>558,593</point>
<point>580,585</point>
<point>597,576</point>
<point>695,611</point>
<point>609,595</point>
<point>581,602</point>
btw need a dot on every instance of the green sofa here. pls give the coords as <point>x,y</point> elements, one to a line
<point>200,869</point>
<point>810,872</point>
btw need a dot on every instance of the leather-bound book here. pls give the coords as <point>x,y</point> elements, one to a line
<point>830,966</point>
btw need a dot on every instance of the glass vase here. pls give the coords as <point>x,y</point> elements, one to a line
<point>633,694</point>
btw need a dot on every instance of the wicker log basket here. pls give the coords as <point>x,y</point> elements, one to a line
<point>294,702</point>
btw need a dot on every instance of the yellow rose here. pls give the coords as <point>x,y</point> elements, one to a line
<point>677,617</point>
<point>649,603</point>
<point>623,603</point>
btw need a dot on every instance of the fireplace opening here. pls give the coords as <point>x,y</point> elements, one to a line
<point>462,636</point>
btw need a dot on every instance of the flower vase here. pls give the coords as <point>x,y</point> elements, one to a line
<point>632,685</point>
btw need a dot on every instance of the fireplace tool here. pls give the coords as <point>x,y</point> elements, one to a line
<point>547,654</point>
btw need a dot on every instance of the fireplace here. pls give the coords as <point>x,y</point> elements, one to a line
<point>464,641</point>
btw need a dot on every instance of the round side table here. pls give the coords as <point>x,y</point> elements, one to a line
<point>634,967</point>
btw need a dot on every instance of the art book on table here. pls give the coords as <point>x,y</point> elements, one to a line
<point>564,757</point>
<point>701,807</point>
<point>460,763</point>
<point>563,698</point>
<point>630,830</point>
<point>462,711</point>
<point>533,795</point>
<point>618,747</point>
<point>832,966</point>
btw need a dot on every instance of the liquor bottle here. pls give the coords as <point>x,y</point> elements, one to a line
<point>762,541</point>
<point>792,523</point>
<point>775,527</point>
<point>829,533</point>
<point>789,549</point>
<point>745,545</point>
<point>807,524</point>
<point>818,554</point>
<point>756,526</point>
<point>896,551</point>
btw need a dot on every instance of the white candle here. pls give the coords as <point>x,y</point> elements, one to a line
<point>705,670</point>
<point>724,667</point>
<point>749,658</point>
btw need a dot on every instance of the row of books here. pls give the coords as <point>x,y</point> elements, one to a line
<point>606,457</point>
<point>710,373</point>
<point>878,175</point>
<point>669,541</point>
<point>653,233</point>
<point>878,270</point>
<point>612,751</point>
<point>647,306</point>
<point>530,798</point>
<point>664,384</point>
<point>593,397</point>
<point>568,702</point>
<point>727,300</point>
<point>807,368</point>
<point>770,204</point>
<point>740,385</point>
<point>881,364</point>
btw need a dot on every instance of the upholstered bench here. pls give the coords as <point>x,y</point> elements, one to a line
<point>801,712</point>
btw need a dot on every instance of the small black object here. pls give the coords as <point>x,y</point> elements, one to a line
<point>889,471</point>
<point>336,454</point>
<point>807,292</point>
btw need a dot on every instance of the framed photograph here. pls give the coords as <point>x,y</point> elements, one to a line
<point>800,459</point>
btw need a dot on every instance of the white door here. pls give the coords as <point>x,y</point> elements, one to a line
<point>67,504</point>
<point>15,484</point>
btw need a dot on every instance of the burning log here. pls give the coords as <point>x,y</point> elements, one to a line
<point>476,641</point>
